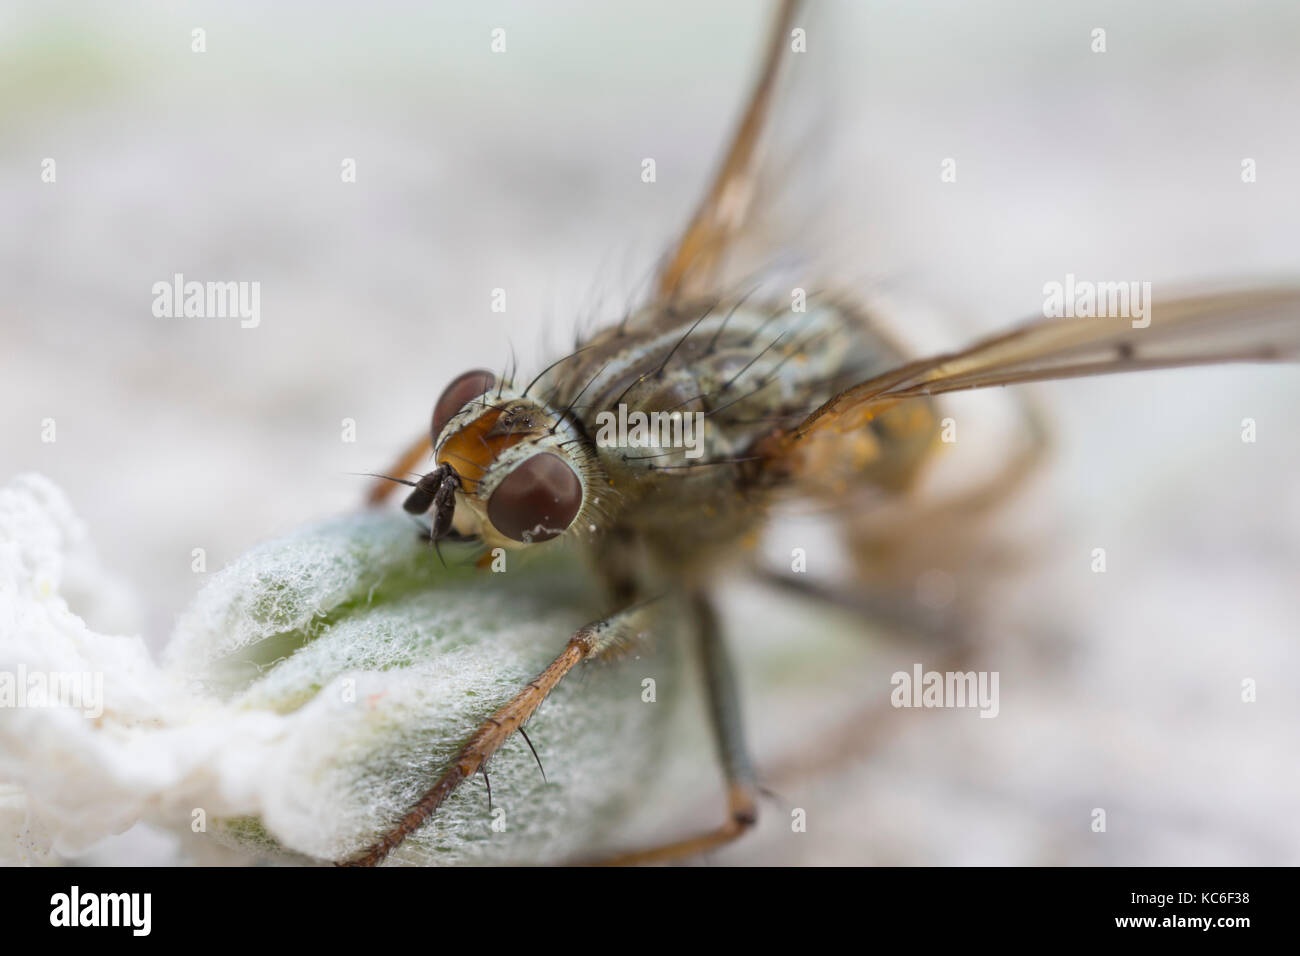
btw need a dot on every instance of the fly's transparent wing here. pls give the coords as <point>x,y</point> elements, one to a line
<point>766,203</point>
<point>766,196</point>
<point>1250,325</point>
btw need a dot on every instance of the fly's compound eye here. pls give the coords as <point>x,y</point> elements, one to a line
<point>537,500</point>
<point>456,395</point>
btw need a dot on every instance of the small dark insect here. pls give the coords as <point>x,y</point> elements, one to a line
<point>713,398</point>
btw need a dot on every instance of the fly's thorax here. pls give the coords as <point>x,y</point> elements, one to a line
<point>677,399</point>
<point>678,390</point>
<point>526,473</point>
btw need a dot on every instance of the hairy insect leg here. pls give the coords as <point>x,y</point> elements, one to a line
<point>381,489</point>
<point>589,642</point>
<point>737,767</point>
<point>950,644</point>
<point>889,558</point>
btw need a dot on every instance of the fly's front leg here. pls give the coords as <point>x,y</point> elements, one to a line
<point>729,736</point>
<point>412,456</point>
<point>589,642</point>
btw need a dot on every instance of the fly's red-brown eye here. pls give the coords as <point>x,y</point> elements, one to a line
<point>454,396</point>
<point>537,500</point>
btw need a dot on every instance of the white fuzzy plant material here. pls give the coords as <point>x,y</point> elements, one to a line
<point>312,691</point>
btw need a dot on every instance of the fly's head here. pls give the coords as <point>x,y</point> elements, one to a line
<point>511,470</point>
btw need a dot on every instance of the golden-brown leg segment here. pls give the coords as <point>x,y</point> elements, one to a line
<point>742,813</point>
<point>729,736</point>
<point>380,490</point>
<point>589,642</point>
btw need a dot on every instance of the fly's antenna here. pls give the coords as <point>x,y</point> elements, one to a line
<point>371,474</point>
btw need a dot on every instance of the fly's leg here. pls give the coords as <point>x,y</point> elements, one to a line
<point>380,490</point>
<point>947,641</point>
<point>882,606</point>
<point>589,642</point>
<point>737,768</point>
<point>888,561</point>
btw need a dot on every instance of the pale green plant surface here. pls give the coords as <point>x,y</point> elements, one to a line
<point>313,690</point>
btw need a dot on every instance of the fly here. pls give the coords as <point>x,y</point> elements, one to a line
<point>784,395</point>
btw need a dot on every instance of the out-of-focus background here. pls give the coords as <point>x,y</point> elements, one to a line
<point>521,171</point>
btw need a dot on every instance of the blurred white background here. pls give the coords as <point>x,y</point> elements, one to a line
<point>522,171</point>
